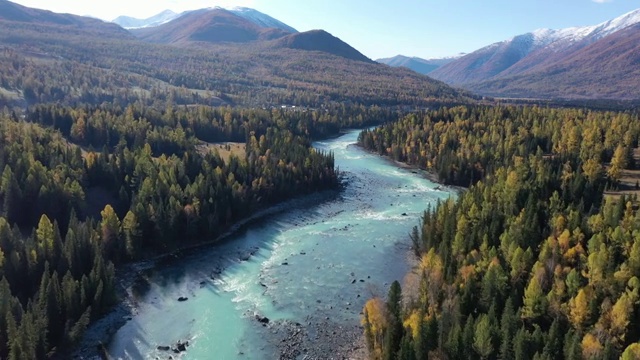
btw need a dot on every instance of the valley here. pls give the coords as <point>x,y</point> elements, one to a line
<point>211,181</point>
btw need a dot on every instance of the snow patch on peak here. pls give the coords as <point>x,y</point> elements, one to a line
<point>261,19</point>
<point>241,9</point>
<point>598,31</point>
<point>556,39</point>
<point>451,57</point>
<point>156,20</point>
<point>617,24</point>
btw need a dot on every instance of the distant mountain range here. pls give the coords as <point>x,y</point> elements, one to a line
<point>255,16</point>
<point>422,66</point>
<point>209,56</point>
<point>14,12</point>
<point>208,25</point>
<point>600,61</point>
<point>218,25</point>
<point>261,19</point>
<point>128,22</point>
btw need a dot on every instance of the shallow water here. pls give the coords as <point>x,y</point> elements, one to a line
<point>303,267</point>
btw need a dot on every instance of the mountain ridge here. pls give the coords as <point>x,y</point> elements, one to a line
<point>217,25</point>
<point>258,18</point>
<point>102,62</point>
<point>129,22</point>
<point>208,25</point>
<point>417,64</point>
<point>320,40</point>
<point>489,69</point>
<point>10,11</point>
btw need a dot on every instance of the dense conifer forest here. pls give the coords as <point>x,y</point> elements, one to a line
<point>530,262</point>
<point>109,154</point>
<point>89,187</point>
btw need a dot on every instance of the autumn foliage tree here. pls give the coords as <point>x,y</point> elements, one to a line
<point>531,261</point>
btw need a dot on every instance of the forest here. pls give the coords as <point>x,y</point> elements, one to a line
<point>531,261</point>
<point>42,62</point>
<point>87,188</point>
<point>108,155</point>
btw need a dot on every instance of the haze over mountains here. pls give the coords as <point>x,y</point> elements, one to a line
<point>14,12</point>
<point>128,22</point>
<point>213,57</point>
<point>594,62</point>
<point>218,25</point>
<point>582,62</point>
<point>419,65</point>
<point>255,16</point>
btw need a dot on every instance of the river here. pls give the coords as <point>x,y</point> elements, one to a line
<point>309,269</point>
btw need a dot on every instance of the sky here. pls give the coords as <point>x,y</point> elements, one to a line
<point>383,28</point>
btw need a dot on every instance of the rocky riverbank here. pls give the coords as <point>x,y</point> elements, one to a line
<point>99,333</point>
<point>316,339</point>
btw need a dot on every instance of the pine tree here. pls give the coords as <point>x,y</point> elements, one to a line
<point>468,334</point>
<point>508,328</point>
<point>132,235</point>
<point>553,343</point>
<point>394,331</point>
<point>482,339</point>
<point>406,348</point>
<point>110,227</point>
<point>535,302</point>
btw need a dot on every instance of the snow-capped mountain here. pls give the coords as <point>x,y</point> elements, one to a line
<point>599,61</point>
<point>261,19</point>
<point>254,16</point>
<point>128,22</point>
<point>558,38</point>
<point>528,51</point>
<point>419,65</point>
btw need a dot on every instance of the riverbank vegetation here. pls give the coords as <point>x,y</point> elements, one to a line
<point>530,262</point>
<point>88,188</point>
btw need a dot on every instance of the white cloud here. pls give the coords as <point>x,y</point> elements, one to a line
<point>601,1</point>
<point>108,10</point>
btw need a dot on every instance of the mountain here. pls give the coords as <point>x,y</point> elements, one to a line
<point>254,16</point>
<point>606,69</point>
<point>208,25</point>
<point>44,61</point>
<point>532,56</point>
<point>422,66</point>
<point>217,25</point>
<point>262,20</point>
<point>133,23</point>
<point>10,11</point>
<point>320,40</point>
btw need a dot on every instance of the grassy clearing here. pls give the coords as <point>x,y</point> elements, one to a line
<point>225,149</point>
<point>628,181</point>
<point>10,94</point>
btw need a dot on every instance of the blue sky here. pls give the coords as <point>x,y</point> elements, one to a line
<point>424,28</point>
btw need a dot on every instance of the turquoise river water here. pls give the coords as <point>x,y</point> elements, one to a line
<point>312,265</point>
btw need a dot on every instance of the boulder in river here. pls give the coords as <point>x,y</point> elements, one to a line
<point>164,348</point>
<point>262,319</point>
<point>182,298</point>
<point>404,214</point>
<point>285,263</point>
<point>182,346</point>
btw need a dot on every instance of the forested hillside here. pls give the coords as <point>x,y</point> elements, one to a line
<point>88,187</point>
<point>529,262</point>
<point>84,63</point>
